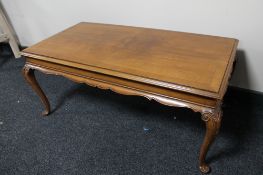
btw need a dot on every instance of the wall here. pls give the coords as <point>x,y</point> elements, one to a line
<point>35,20</point>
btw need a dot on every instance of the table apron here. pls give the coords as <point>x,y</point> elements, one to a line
<point>127,87</point>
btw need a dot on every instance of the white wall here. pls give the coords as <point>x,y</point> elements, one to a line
<point>35,20</point>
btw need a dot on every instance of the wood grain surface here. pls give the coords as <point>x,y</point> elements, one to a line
<point>188,60</point>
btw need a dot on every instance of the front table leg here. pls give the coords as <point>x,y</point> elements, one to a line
<point>212,121</point>
<point>31,79</point>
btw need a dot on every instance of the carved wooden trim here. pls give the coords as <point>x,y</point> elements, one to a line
<point>26,69</point>
<point>126,76</point>
<point>211,116</point>
<point>121,89</point>
<point>215,114</point>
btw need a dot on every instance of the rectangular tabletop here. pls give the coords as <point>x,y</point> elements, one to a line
<point>164,58</point>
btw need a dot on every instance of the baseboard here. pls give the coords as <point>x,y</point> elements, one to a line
<point>249,91</point>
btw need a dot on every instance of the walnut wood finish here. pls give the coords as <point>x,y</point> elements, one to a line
<point>31,79</point>
<point>174,68</point>
<point>213,122</point>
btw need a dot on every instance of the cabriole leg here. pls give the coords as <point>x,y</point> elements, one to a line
<point>213,122</point>
<point>30,78</point>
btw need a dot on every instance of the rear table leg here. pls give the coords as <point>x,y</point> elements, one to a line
<point>213,122</point>
<point>31,79</point>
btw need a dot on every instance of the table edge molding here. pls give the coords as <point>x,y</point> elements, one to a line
<point>228,72</point>
<point>146,80</point>
<point>124,90</point>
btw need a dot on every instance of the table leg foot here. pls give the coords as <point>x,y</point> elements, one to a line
<point>204,168</point>
<point>213,122</point>
<point>31,79</point>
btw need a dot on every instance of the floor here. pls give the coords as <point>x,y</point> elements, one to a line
<point>92,131</point>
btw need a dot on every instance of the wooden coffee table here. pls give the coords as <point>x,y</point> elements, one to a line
<point>174,68</point>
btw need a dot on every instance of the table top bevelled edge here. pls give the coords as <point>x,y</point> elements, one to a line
<point>169,85</point>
